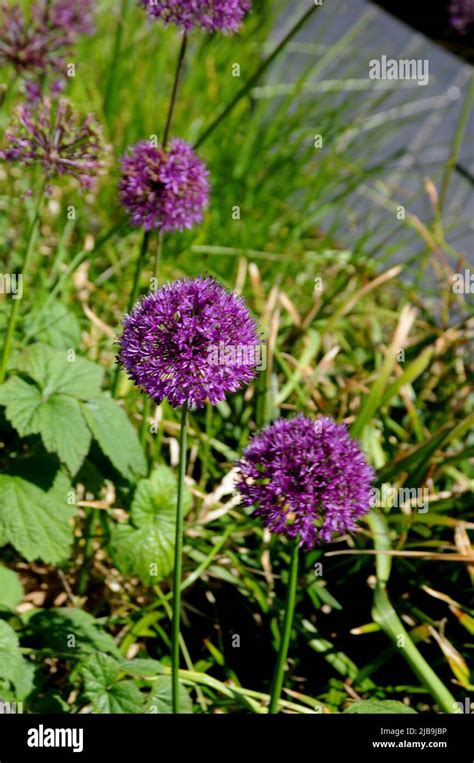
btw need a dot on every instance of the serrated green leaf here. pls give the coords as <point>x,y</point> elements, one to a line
<point>67,629</point>
<point>106,693</point>
<point>116,436</point>
<point>57,327</point>
<point>58,418</point>
<point>160,699</point>
<point>145,546</point>
<point>56,371</point>
<point>10,655</point>
<point>36,522</point>
<point>11,590</point>
<point>377,707</point>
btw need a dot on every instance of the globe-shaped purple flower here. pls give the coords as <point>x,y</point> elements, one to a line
<point>211,15</point>
<point>306,478</point>
<point>166,189</point>
<point>190,341</point>
<point>56,137</point>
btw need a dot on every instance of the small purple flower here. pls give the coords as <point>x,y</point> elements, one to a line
<point>56,137</point>
<point>306,478</point>
<point>31,45</point>
<point>211,15</point>
<point>169,341</point>
<point>461,15</point>
<point>167,189</point>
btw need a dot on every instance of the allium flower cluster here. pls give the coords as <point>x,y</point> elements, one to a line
<point>211,15</point>
<point>462,15</point>
<point>306,478</point>
<point>37,45</point>
<point>168,342</point>
<point>56,137</point>
<point>167,189</point>
<point>31,45</point>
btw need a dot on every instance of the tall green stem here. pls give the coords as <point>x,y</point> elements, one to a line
<point>286,632</point>
<point>7,344</point>
<point>178,553</point>
<point>133,295</point>
<point>174,93</point>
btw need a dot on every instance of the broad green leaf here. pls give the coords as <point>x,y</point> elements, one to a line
<point>57,327</point>
<point>58,418</point>
<point>379,706</point>
<point>56,371</point>
<point>66,629</point>
<point>145,546</point>
<point>160,699</point>
<point>36,522</point>
<point>106,693</point>
<point>11,659</point>
<point>10,655</point>
<point>11,590</point>
<point>116,436</point>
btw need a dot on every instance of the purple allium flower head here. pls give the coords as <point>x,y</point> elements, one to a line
<point>306,478</point>
<point>56,137</point>
<point>211,15</point>
<point>167,189</point>
<point>461,15</point>
<point>170,342</point>
<point>31,45</point>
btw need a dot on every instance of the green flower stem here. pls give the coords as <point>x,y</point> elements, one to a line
<point>133,296</point>
<point>178,553</point>
<point>286,633</point>
<point>7,344</point>
<point>174,93</point>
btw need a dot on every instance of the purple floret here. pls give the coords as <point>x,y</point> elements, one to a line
<point>170,342</point>
<point>211,15</point>
<point>166,189</point>
<point>76,16</point>
<point>306,478</point>
<point>54,136</point>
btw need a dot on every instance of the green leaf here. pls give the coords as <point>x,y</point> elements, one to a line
<point>106,693</point>
<point>66,629</point>
<point>56,371</point>
<point>49,404</point>
<point>11,658</point>
<point>116,436</point>
<point>160,699</point>
<point>145,546</point>
<point>56,327</point>
<point>11,590</point>
<point>377,707</point>
<point>36,522</point>
<point>57,418</point>
<point>141,667</point>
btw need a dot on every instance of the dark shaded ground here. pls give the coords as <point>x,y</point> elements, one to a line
<point>433,20</point>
